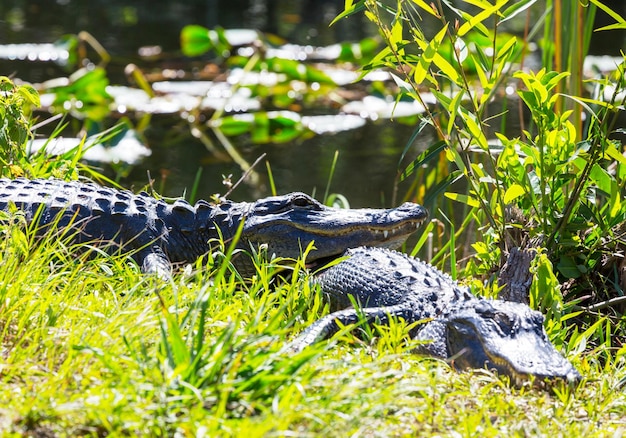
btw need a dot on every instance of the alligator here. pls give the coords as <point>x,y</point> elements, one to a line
<point>450,322</point>
<point>158,234</point>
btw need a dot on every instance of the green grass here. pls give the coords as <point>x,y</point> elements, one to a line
<point>92,347</point>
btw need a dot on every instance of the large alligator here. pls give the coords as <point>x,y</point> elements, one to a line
<point>454,325</point>
<point>158,234</point>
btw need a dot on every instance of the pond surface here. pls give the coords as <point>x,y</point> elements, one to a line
<point>367,164</point>
<point>368,157</point>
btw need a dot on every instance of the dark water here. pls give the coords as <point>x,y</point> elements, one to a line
<point>368,159</point>
<point>367,163</point>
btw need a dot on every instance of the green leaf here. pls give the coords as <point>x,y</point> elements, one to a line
<point>395,37</point>
<point>513,192</point>
<point>195,40</point>
<point>233,125</point>
<point>453,155</point>
<point>453,110</point>
<point>380,59</point>
<point>482,4</point>
<point>529,98</point>
<point>411,142</point>
<point>430,51</point>
<point>297,70</point>
<point>87,93</point>
<point>359,52</point>
<point>617,17</point>
<point>260,128</point>
<point>447,68</point>
<point>430,153</point>
<point>480,28</point>
<point>601,178</point>
<point>30,94</point>
<point>612,152</point>
<point>475,130</point>
<point>484,81</point>
<point>426,7</point>
<point>616,26</point>
<point>264,127</point>
<point>506,50</point>
<point>516,9</point>
<point>464,199</point>
<point>19,240</point>
<point>435,191</point>
<point>568,267</point>
<point>545,290</point>
<point>349,9</point>
<point>552,79</point>
<point>442,98</point>
<point>480,17</point>
<point>484,60</point>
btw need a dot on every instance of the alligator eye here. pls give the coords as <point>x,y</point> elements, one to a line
<point>505,322</point>
<point>301,201</point>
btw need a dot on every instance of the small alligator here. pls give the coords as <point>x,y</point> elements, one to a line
<point>455,325</point>
<point>158,234</point>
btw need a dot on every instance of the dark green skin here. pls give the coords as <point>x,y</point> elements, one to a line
<point>456,326</point>
<point>158,234</point>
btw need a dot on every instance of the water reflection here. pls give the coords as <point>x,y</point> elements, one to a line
<point>368,155</point>
<point>365,171</point>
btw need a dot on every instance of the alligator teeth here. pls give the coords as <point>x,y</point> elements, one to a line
<point>385,233</point>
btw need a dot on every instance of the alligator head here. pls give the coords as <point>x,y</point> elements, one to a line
<point>505,336</point>
<point>287,224</point>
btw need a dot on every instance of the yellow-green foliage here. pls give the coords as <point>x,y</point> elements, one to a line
<point>15,105</point>
<point>92,347</point>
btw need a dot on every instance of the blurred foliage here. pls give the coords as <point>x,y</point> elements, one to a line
<point>196,40</point>
<point>84,95</point>
<point>263,127</point>
<point>16,103</point>
<point>16,106</point>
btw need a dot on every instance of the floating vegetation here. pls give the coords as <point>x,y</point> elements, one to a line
<point>83,94</point>
<point>65,52</point>
<point>284,126</point>
<point>218,96</point>
<point>250,83</point>
<point>274,92</point>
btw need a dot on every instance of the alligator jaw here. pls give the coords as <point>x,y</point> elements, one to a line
<point>557,369</point>
<point>540,364</point>
<point>330,246</point>
<point>287,225</point>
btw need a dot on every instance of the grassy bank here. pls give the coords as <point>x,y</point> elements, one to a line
<point>91,347</point>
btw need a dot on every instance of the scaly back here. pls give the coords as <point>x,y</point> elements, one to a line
<point>378,277</point>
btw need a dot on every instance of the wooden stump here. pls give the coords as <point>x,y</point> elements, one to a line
<point>515,276</point>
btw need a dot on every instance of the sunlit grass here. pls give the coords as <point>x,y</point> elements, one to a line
<point>92,347</point>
